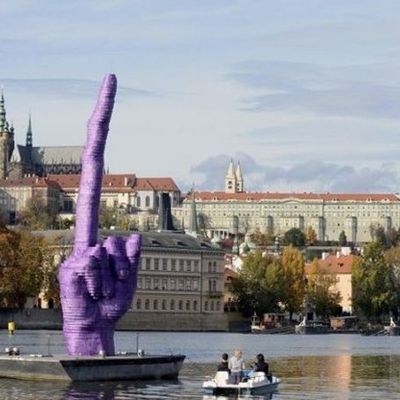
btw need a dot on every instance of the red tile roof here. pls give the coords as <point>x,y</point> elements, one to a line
<point>334,264</point>
<point>31,181</point>
<point>111,182</point>
<point>267,196</point>
<point>158,184</point>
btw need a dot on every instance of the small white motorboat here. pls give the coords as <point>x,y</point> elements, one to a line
<point>256,383</point>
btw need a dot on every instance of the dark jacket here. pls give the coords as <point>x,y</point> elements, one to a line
<point>223,366</point>
<point>260,366</point>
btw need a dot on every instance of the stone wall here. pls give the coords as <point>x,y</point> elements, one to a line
<point>35,318</point>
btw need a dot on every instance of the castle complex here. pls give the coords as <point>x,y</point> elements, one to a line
<point>328,214</point>
<point>22,160</point>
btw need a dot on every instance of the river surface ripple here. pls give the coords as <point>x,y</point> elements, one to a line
<point>311,367</point>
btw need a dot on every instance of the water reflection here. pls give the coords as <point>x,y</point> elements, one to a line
<point>120,390</point>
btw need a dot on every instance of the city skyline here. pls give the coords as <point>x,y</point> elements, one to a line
<point>305,94</point>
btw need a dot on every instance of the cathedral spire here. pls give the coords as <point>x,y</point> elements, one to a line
<point>3,121</point>
<point>239,178</point>
<point>230,179</point>
<point>29,132</point>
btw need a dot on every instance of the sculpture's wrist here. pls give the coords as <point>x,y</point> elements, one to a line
<point>88,343</point>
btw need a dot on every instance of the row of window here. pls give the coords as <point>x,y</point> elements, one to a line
<point>176,305</point>
<point>174,264</point>
<point>168,284</point>
<point>174,284</point>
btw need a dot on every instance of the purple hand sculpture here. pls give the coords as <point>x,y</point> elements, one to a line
<point>97,281</point>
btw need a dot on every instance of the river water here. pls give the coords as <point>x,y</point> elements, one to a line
<point>337,367</point>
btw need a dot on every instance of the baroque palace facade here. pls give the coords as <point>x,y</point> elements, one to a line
<point>357,214</point>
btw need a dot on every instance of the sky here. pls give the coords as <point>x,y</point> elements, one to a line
<point>304,93</point>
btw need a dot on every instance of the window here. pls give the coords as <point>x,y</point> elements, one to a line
<point>164,304</point>
<point>156,264</point>
<point>195,285</point>
<point>156,284</point>
<point>214,266</point>
<point>188,265</point>
<point>139,304</point>
<point>218,306</point>
<point>188,285</point>
<point>155,304</point>
<point>180,305</point>
<point>172,284</point>
<point>211,306</point>
<point>147,201</point>
<point>147,304</point>
<point>139,283</point>
<point>138,201</point>
<point>147,283</point>
<point>148,263</point>
<point>172,305</point>
<point>206,305</point>
<point>187,305</point>
<point>164,284</point>
<point>181,264</point>
<point>180,284</point>
<point>209,266</point>
<point>196,266</point>
<point>195,305</point>
<point>164,264</point>
<point>214,285</point>
<point>173,264</point>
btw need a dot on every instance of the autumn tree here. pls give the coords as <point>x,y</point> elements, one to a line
<point>258,287</point>
<point>22,257</point>
<point>371,275</point>
<point>321,294</point>
<point>293,280</point>
<point>311,236</point>
<point>262,239</point>
<point>295,237</point>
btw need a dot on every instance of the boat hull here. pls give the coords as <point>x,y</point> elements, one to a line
<point>87,368</point>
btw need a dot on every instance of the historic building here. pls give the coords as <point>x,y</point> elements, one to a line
<point>22,160</point>
<point>16,193</point>
<point>357,214</point>
<point>125,192</point>
<point>338,266</point>
<point>180,284</point>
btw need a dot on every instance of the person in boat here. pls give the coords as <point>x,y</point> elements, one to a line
<point>224,364</point>
<point>236,365</point>
<point>261,365</point>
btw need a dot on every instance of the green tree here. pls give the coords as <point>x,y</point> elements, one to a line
<point>321,295</point>
<point>258,287</point>
<point>204,223</point>
<point>107,217</point>
<point>392,257</point>
<point>37,215</point>
<point>378,234</point>
<point>371,275</point>
<point>342,239</point>
<point>295,237</point>
<point>293,278</point>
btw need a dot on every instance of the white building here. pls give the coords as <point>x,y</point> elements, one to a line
<point>357,214</point>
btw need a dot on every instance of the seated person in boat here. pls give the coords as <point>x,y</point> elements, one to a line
<point>261,366</point>
<point>236,365</point>
<point>223,366</point>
